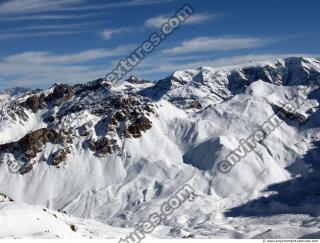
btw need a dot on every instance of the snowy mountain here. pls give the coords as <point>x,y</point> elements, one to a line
<point>114,153</point>
<point>39,222</point>
<point>15,91</point>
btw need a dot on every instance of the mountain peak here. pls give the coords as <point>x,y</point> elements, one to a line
<point>136,80</point>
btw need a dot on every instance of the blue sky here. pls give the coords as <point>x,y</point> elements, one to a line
<point>71,41</point>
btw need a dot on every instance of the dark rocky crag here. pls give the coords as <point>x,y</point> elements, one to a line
<point>120,115</point>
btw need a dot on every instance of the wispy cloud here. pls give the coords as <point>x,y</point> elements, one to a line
<point>32,30</point>
<point>157,21</point>
<point>44,75</point>
<point>55,26</point>
<point>30,10</point>
<point>15,35</point>
<point>109,33</point>
<point>47,17</point>
<point>227,43</point>
<point>119,4</point>
<point>35,6</point>
<point>49,58</point>
<point>14,7</point>
<point>41,69</point>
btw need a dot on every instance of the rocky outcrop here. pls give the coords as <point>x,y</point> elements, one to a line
<point>289,116</point>
<point>25,169</point>
<point>60,156</point>
<point>30,145</point>
<point>5,198</point>
<point>195,105</point>
<point>34,103</point>
<point>136,80</point>
<point>61,93</point>
<point>35,140</point>
<point>122,115</point>
<point>102,146</point>
<point>141,124</point>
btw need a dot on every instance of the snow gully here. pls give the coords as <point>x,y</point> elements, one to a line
<point>249,144</point>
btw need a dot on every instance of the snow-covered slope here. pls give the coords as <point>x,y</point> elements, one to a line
<point>8,93</point>
<point>115,153</point>
<point>20,221</point>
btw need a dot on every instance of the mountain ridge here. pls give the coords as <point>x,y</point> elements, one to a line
<point>114,153</point>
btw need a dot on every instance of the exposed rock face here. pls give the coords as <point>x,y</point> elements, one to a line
<point>136,80</point>
<point>102,146</point>
<point>290,116</point>
<point>195,104</point>
<point>35,103</point>
<point>30,145</point>
<point>118,116</point>
<point>61,93</point>
<point>121,116</point>
<point>5,198</point>
<point>25,169</point>
<point>140,124</point>
<point>60,155</point>
<point>35,140</point>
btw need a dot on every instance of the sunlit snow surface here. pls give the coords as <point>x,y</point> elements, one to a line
<point>274,192</point>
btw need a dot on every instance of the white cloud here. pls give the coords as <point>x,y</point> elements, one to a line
<point>118,4</point>
<point>34,30</point>
<point>204,44</point>
<point>39,69</point>
<point>15,35</point>
<point>109,33</point>
<point>34,6</point>
<point>84,56</point>
<point>47,17</point>
<point>53,27</point>
<point>14,7</point>
<point>45,75</point>
<point>156,22</point>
